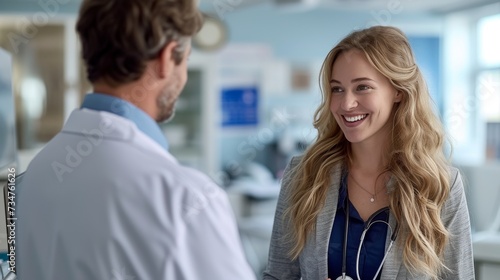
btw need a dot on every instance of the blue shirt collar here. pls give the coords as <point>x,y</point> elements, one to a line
<point>120,107</point>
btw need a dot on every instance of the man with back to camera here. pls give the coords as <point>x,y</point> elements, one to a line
<point>105,199</point>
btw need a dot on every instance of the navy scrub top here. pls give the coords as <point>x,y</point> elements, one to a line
<point>373,249</point>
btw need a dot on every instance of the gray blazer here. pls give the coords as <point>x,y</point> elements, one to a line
<point>312,262</point>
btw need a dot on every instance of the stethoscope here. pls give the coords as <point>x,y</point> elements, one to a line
<point>368,224</point>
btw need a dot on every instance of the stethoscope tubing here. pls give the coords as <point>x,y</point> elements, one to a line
<point>368,224</point>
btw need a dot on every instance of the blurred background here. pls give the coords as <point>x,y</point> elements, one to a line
<point>253,88</point>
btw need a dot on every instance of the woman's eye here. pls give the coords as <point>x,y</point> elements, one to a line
<point>363,87</point>
<point>337,89</point>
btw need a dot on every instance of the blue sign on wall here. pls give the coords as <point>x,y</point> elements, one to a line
<point>240,106</point>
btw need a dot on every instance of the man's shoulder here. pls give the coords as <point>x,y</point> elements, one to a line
<point>194,181</point>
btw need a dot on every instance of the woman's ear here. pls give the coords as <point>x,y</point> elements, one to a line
<point>398,97</point>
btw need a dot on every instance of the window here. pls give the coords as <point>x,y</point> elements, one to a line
<point>488,41</point>
<point>488,82</point>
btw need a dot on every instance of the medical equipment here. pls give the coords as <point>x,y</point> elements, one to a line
<point>368,224</point>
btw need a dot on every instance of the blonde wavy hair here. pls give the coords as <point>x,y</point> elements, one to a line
<point>417,162</point>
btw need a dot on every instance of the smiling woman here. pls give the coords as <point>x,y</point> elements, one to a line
<point>362,100</point>
<point>375,177</point>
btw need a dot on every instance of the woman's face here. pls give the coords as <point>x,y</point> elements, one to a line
<point>362,99</point>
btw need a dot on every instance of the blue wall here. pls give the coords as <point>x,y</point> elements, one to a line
<point>50,8</point>
<point>427,51</point>
<point>308,36</point>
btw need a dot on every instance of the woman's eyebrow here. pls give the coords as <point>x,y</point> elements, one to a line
<point>361,79</point>
<point>353,80</point>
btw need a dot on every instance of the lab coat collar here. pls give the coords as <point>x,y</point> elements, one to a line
<point>98,125</point>
<point>125,109</point>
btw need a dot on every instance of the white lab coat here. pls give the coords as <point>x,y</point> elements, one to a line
<point>104,201</point>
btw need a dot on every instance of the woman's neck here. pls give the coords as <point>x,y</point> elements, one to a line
<point>369,159</point>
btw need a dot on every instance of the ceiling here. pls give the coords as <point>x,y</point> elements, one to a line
<point>432,6</point>
<point>440,6</point>
<point>437,6</point>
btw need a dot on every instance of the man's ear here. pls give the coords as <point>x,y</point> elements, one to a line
<point>166,59</point>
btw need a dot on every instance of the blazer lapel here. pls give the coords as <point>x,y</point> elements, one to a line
<point>324,223</point>
<point>394,260</point>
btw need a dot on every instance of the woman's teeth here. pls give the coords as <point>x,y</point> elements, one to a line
<point>355,118</point>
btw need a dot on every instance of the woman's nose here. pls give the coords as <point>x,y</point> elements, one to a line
<point>349,101</point>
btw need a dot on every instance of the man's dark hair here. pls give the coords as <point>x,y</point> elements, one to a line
<point>119,37</point>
